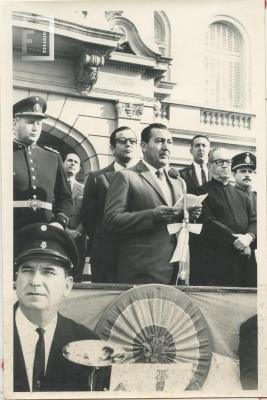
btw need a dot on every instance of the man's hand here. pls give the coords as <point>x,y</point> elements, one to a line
<point>242,241</point>
<point>246,251</point>
<point>57,225</point>
<point>195,212</point>
<point>73,233</point>
<point>166,214</point>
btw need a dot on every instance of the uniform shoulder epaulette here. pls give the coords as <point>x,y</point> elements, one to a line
<point>51,149</point>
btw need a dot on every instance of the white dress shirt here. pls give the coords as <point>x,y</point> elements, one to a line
<point>198,172</point>
<point>29,337</point>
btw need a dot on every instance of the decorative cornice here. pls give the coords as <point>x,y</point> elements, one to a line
<point>129,110</point>
<point>68,26</point>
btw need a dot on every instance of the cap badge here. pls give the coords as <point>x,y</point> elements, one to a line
<point>43,245</point>
<point>43,228</point>
<point>36,107</point>
<point>247,159</point>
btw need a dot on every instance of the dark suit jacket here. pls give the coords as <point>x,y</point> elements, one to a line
<point>75,224</point>
<point>145,248</point>
<point>190,177</point>
<point>61,374</point>
<point>51,185</point>
<point>225,211</point>
<point>248,354</point>
<point>77,196</point>
<point>104,245</point>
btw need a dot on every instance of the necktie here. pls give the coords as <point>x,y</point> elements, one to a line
<point>164,185</point>
<point>203,175</point>
<point>39,362</point>
<point>160,174</point>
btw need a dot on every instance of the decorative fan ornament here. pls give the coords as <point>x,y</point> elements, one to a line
<point>159,324</point>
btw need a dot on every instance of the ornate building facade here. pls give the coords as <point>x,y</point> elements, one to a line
<point>197,67</point>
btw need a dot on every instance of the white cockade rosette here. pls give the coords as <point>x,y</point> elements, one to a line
<point>181,252</point>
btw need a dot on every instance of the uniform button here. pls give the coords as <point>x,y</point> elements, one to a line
<point>30,152</point>
<point>32,168</point>
<point>33,177</point>
<point>31,160</point>
<point>34,187</point>
<point>34,196</point>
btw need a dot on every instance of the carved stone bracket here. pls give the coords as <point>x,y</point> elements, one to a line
<point>89,62</point>
<point>112,14</point>
<point>161,110</point>
<point>129,110</point>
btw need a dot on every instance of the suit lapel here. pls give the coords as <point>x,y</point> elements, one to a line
<point>148,176</point>
<point>193,175</point>
<point>76,190</point>
<point>175,186</point>
<point>21,383</point>
<point>110,172</point>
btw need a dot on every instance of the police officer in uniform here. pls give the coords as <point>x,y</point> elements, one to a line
<point>41,191</point>
<point>44,258</point>
<point>243,168</point>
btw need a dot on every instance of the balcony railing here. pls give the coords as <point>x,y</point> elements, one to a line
<point>225,118</point>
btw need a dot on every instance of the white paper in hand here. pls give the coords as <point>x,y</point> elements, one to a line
<point>191,201</point>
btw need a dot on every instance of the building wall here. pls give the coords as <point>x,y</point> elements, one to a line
<point>85,122</point>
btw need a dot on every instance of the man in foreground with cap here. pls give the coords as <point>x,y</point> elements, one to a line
<point>41,192</point>
<point>45,256</point>
<point>243,168</point>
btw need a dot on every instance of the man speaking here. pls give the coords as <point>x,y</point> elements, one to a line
<point>139,206</point>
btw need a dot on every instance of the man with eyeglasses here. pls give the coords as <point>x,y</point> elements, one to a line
<point>103,259</point>
<point>138,208</point>
<point>229,227</point>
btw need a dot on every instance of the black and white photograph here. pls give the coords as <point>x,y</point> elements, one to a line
<point>133,266</point>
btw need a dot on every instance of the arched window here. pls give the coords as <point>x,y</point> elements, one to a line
<point>162,32</point>
<point>223,66</point>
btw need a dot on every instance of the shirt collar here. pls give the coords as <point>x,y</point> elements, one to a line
<point>118,166</point>
<point>197,166</point>
<point>23,321</point>
<point>151,168</point>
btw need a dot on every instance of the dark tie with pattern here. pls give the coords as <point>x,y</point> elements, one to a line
<point>160,174</point>
<point>203,175</point>
<point>39,362</point>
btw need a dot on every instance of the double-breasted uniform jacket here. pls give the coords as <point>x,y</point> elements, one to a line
<point>103,258</point>
<point>61,374</point>
<point>226,211</point>
<point>145,247</point>
<point>39,175</point>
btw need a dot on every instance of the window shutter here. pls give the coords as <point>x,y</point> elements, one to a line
<point>223,66</point>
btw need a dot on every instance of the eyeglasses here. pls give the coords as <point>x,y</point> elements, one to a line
<point>126,140</point>
<point>220,163</point>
